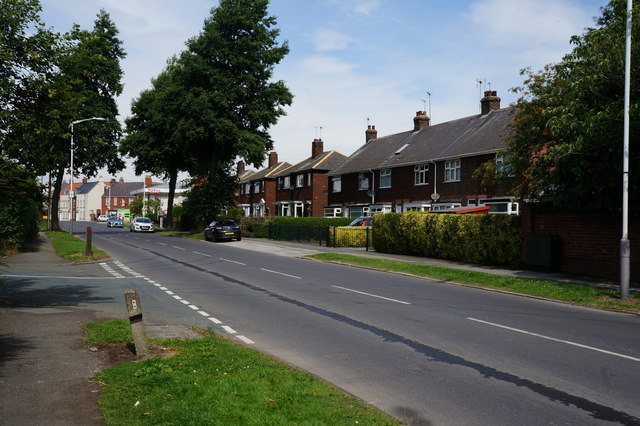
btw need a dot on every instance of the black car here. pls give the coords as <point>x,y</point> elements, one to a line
<point>362,221</point>
<point>226,229</point>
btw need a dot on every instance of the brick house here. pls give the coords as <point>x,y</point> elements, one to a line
<point>427,168</point>
<point>119,195</point>
<point>302,189</point>
<point>257,194</point>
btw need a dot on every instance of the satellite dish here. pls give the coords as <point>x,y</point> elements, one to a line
<point>435,196</point>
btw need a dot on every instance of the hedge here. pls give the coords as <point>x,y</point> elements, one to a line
<point>349,236</point>
<point>481,239</point>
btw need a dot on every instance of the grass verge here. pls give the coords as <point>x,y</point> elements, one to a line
<point>571,293</point>
<point>182,234</point>
<point>73,248</point>
<point>210,380</point>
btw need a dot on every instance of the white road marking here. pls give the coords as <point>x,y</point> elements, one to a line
<point>162,244</point>
<point>169,292</point>
<point>372,295</point>
<point>179,248</point>
<point>245,340</point>
<point>203,313</point>
<point>233,261</point>
<point>201,254</point>
<point>229,329</point>
<point>280,273</point>
<point>555,339</point>
<point>185,302</point>
<point>194,307</point>
<point>215,320</point>
<point>177,297</point>
<point>163,288</point>
<point>66,278</point>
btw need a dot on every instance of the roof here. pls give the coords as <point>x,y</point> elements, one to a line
<point>266,173</point>
<point>326,161</point>
<point>122,189</point>
<point>86,188</point>
<point>162,188</point>
<point>469,136</point>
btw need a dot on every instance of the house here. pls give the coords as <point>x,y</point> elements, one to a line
<point>257,193</point>
<point>427,168</point>
<point>160,192</point>
<point>64,204</point>
<point>302,189</point>
<point>118,195</point>
<point>88,197</point>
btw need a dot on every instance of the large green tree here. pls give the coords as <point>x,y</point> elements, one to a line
<point>567,133</point>
<point>84,82</point>
<point>152,138</point>
<point>230,100</point>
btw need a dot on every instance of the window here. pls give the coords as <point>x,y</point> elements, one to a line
<point>279,183</point>
<point>336,184</point>
<point>332,212</point>
<point>357,211</point>
<point>256,187</point>
<point>385,178</point>
<point>287,182</point>
<point>452,171</point>
<point>420,173</point>
<point>299,181</point>
<point>363,181</point>
<point>309,179</point>
<point>247,188</point>
<point>503,167</point>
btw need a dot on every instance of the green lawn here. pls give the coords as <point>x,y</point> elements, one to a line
<point>73,248</point>
<point>572,293</point>
<point>212,381</point>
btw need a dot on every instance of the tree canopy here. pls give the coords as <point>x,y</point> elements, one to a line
<point>567,132</point>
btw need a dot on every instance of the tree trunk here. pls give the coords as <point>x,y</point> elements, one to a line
<point>173,178</point>
<point>55,201</point>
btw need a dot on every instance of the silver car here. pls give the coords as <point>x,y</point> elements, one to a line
<point>141,224</point>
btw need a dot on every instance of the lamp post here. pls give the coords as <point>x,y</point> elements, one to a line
<point>71,191</point>
<point>624,241</point>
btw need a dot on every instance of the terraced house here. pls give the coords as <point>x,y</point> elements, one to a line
<point>257,192</point>
<point>428,168</point>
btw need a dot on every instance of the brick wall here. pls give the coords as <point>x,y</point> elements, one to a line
<point>589,241</point>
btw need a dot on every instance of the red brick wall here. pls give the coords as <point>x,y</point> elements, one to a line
<point>589,242</point>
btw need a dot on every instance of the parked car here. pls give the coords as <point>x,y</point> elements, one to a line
<point>362,221</point>
<point>226,229</point>
<point>141,224</point>
<point>103,218</point>
<point>115,222</point>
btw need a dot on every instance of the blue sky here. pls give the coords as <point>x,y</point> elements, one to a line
<point>356,60</point>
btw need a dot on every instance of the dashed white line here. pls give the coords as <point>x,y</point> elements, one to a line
<point>163,288</point>
<point>162,244</point>
<point>194,307</point>
<point>179,248</point>
<point>568,342</point>
<point>280,273</point>
<point>233,261</point>
<point>169,292</point>
<point>229,329</point>
<point>201,254</point>
<point>215,320</point>
<point>203,313</point>
<point>371,295</point>
<point>177,297</point>
<point>245,340</point>
<point>185,302</point>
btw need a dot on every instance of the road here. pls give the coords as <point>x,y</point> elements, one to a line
<point>423,350</point>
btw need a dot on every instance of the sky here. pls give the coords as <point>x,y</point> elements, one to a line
<point>357,62</point>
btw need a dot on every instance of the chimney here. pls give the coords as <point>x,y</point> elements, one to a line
<point>370,134</point>
<point>317,148</point>
<point>490,102</point>
<point>121,179</point>
<point>420,121</point>
<point>273,159</point>
<point>240,168</point>
<point>84,180</point>
<point>147,181</point>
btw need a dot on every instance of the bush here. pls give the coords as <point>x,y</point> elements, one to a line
<point>349,236</point>
<point>482,239</point>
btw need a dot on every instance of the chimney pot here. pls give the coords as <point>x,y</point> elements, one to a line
<point>317,148</point>
<point>421,121</point>
<point>371,133</point>
<point>490,102</point>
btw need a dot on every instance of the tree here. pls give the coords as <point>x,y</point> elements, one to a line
<point>84,83</point>
<point>152,140</point>
<point>230,102</point>
<point>567,132</point>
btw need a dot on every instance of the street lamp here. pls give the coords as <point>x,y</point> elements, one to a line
<point>71,191</point>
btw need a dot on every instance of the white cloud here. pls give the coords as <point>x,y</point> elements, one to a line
<point>326,40</point>
<point>358,7</point>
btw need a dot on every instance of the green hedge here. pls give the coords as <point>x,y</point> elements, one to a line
<point>349,236</point>
<point>312,221</point>
<point>481,239</point>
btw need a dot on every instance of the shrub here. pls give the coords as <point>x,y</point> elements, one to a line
<point>482,239</point>
<point>349,236</point>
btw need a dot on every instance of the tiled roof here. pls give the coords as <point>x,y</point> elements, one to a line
<point>122,189</point>
<point>474,135</point>
<point>326,161</point>
<point>266,173</point>
<point>86,188</point>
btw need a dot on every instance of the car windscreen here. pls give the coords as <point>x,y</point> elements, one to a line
<point>143,220</point>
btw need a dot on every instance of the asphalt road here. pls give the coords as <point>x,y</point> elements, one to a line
<point>424,351</point>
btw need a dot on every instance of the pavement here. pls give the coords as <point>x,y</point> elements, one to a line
<point>45,367</point>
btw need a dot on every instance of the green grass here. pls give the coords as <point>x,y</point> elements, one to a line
<point>182,234</point>
<point>572,293</point>
<point>73,248</point>
<point>108,332</point>
<point>211,381</point>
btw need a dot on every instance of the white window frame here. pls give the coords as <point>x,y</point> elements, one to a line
<point>385,178</point>
<point>421,174</point>
<point>452,170</point>
<point>299,180</point>
<point>363,181</point>
<point>309,179</point>
<point>332,212</point>
<point>256,187</point>
<point>336,184</point>
<point>287,182</point>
